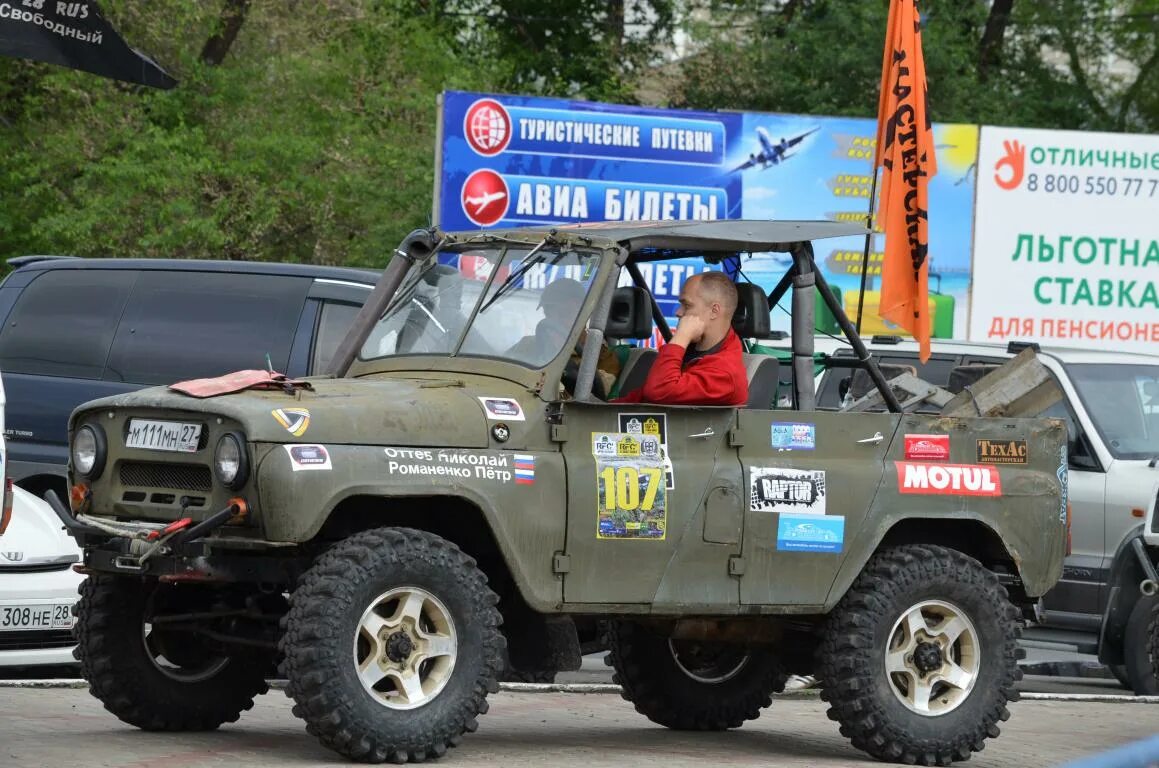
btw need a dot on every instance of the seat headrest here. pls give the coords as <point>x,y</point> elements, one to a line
<point>630,316</point>
<point>751,319</point>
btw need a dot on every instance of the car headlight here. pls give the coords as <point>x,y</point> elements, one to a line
<point>229,461</point>
<point>88,451</point>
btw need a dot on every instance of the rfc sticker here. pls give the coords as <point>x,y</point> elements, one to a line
<point>502,408</point>
<point>794,491</point>
<point>794,437</point>
<point>303,457</point>
<point>295,420</point>
<point>948,479</point>
<point>654,425</point>
<point>1002,452</point>
<point>631,496</point>
<point>927,447</point>
<point>810,533</point>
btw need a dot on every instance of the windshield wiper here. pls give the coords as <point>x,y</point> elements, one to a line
<point>533,257</point>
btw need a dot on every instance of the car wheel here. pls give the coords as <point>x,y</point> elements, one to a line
<point>1120,673</point>
<point>691,686</point>
<point>1138,639</point>
<point>391,646</point>
<point>920,657</point>
<point>153,680</point>
<point>1153,641</point>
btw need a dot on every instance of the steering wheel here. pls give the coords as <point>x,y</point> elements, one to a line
<point>571,376</point>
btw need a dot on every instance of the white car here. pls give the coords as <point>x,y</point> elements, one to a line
<point>38,586</point>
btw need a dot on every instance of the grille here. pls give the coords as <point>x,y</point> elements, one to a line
<point>32,640</point>
<point>185,477</point>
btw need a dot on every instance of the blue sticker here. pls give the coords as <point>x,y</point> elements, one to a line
<point>794,437</point>
<point>810,533</point>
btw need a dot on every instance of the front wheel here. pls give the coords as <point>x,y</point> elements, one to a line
<point>151,677</point>
<point>920,657</point>
<point>1138,647</point>
<point>391,646</point>
<point>691,686</point>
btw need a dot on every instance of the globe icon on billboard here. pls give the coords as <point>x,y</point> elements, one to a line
<point>487,127</point>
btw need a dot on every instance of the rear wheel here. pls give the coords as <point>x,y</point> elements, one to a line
<point>688,685</point>
<point>155,679</point>
<point>920,656</point>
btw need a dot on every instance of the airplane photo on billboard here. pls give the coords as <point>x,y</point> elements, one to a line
<point>771,154</point>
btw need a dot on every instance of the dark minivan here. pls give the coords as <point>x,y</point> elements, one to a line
<point>77,329</point>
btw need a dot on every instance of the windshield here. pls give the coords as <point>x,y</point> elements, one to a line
<point>1123,402</point>
<point>530,308</point>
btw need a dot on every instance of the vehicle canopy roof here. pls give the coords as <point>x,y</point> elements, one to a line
<point>659,240</point>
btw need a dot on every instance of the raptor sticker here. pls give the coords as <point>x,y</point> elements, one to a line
<point>655,425</point>
<point>295,420</point>
<point>502,408</point>
<point>304,457</point>
<point>777,489</point>
<point>631,496</point>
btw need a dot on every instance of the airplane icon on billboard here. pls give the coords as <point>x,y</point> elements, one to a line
<point>482,201</point>
<point>771,153</point>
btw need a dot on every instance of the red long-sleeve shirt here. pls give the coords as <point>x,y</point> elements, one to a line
<point>714,379</point>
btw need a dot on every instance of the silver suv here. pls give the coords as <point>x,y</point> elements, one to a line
<point>1111,411</point>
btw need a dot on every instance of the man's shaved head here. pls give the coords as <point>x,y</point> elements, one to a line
<point>717,288</point>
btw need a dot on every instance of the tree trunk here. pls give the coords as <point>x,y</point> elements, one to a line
<point>229,24</point>
<point>615,26</point>
<point>990,49</point>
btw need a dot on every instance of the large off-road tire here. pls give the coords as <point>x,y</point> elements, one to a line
<point>127,669</point>
<point>920,657</point>
<point>1153,641</point>
<point>1138,655</point>
<point>391,646</point>
<point>691,686</point>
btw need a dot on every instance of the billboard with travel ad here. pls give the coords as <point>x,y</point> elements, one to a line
<point>515,160</point>
<point>1078,263</point>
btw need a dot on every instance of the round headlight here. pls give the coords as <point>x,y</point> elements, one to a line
<point>228,461</point>
<point>87,451</point>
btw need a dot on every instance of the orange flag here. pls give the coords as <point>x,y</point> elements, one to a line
<point>905,150</point>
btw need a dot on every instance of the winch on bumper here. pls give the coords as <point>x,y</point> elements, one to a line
<point>180,551</point>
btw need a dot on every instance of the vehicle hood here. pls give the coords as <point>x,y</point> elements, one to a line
<point>35,536</point>
<point>392,409</point>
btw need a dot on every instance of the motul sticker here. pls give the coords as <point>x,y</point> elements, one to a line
<point>948,479</point>
<point>927,447</point>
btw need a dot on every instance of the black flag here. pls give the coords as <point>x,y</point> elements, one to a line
<point>74,34</point>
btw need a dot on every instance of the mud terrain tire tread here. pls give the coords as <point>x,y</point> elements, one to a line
<point>850,658</point>
<point>316,657</point>
<point>128,684</point>
<point>650,679</point>
<point>1139,648</point>
<point>1153,642</point>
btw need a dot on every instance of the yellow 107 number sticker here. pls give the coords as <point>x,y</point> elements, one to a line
<point>631,495</point>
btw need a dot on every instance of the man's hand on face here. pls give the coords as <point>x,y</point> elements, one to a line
<point>689,331</point>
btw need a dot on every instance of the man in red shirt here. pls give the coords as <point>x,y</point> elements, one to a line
<point>702,363</point>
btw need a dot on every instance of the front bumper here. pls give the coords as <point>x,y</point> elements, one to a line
<point>32,648</point>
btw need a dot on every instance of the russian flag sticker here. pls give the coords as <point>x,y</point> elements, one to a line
<point>524,469</point>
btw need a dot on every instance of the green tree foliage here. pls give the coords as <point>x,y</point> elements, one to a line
<point>1075,64</point>
<point>304,130</point>
<point>310,141</point>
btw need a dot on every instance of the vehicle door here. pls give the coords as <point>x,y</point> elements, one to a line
<point>330,310</point>
<point>53,348</point>
<point>809,480</point>
<point>654,505</point>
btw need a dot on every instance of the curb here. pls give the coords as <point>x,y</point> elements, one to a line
<point>608,688</point>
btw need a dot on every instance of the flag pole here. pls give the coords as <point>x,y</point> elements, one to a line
<point>868,240</point>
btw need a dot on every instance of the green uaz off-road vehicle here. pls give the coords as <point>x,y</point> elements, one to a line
<point>460,497</point>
